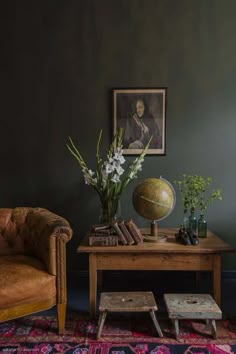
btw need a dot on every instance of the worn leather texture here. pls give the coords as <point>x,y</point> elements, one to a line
<point>32,259</point>
<point>24,279</point>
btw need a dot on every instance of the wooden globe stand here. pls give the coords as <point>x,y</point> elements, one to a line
<point>154,236</point>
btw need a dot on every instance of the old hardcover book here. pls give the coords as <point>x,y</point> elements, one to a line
<point>134,231</point>
<point>102,229</point>
<point>98,227</point>
<point>126,233</point>
<point>118,231</point>
<point>103,240</point>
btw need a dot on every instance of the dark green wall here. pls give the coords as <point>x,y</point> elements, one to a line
<point>59,62</point>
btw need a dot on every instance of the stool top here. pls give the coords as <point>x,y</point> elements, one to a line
<point>127,301</point>
<point>194,306</point>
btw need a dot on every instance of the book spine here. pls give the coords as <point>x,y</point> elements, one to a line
<point>103,240</point>
<point>134,231</point>
<point>118,231</point>
<point>126,233</point>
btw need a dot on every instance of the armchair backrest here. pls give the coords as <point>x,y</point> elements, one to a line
<point>14,231</point>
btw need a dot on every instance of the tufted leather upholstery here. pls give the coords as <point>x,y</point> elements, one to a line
<point>32,262</point>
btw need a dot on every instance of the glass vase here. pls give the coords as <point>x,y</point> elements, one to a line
<point>185,223</point>
<point>202,226</point>
<point>192,220</point>
<point>109,211</point>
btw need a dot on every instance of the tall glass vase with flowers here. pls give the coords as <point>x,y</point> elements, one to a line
<point>109,179</point>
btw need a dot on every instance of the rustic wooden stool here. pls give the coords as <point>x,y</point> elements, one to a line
<point>192,306</point>
<point>127,302</point>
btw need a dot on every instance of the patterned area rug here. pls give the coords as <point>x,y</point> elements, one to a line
<point>35,334</point>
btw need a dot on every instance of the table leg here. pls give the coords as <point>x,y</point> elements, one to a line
<point>92,283</point>
<point>217,278</point>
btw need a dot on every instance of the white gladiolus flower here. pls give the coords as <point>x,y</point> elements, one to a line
<point>139,167</point>
<point>120,170</point>
<point>91,173</point>
<point>131,175</point>
<point>86,179</point>
<point>122,160</point>
<point>115,178</point>
<point>104,174</point>
<point>119,157</point>
<point>109,168</point>
<point>109,160</point>
<point>109,179</point>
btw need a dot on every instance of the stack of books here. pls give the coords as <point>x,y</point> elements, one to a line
<point>128,232</point>
<point>102,235</point>
<point>123,232</point>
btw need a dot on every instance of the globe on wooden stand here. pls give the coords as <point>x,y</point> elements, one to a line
<point>154,199</point>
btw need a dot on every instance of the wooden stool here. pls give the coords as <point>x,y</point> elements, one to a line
<point>192,306</point>
<point>127,302</point>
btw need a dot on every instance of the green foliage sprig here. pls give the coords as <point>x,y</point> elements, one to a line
<point>195,192</point>
<point>206,200</point>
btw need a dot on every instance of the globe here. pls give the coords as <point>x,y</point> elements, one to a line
<point>154,199</point>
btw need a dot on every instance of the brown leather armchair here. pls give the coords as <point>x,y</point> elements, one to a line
<point>32,262</point>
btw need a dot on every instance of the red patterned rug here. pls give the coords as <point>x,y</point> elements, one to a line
<point>35,334</point>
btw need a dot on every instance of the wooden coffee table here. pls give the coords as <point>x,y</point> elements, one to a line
<point>170,255</point>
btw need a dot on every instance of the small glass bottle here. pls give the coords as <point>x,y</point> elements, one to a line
<point>185,222</point>
<point>202,226</point>
<point>192,221</point>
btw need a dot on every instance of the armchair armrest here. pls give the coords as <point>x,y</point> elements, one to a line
<point>47,235</point>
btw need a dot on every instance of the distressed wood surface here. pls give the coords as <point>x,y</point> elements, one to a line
<point>211,244</point>
<point>140,301</point>
<point>193,306</point>
<point>141,261</point>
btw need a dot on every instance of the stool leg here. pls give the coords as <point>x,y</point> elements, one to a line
<point>158,328</point>
<point>176,325</point>
<point>101,322</point>
<point>213,329</point>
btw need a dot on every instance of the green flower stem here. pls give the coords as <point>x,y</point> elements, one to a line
<point>109,178</point>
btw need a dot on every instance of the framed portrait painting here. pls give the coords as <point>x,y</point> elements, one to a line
<point>141,113</point>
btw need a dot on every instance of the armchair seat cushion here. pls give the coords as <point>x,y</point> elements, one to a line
<point>24,280</point>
